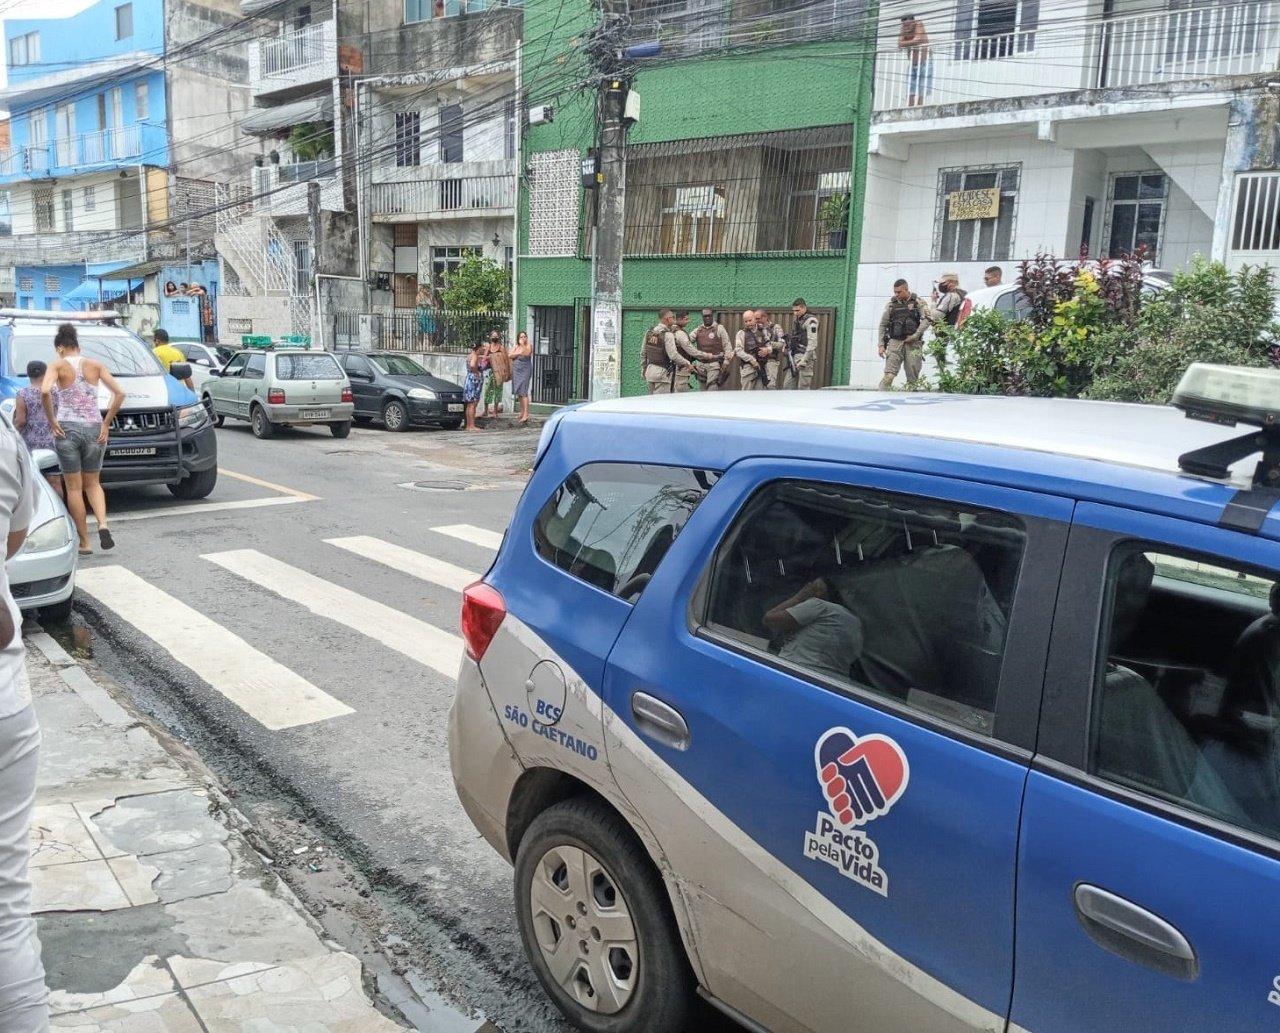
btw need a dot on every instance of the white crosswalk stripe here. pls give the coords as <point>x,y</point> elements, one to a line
<point>419,641</point>
<point>471,535</point>
<point>267,691</point>
<point>417,564</point>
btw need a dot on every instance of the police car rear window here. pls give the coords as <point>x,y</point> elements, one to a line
<point>610,524</point>
<point>307,367</point>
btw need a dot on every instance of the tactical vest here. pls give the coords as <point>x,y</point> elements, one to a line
<point>655,351</point>
<point>904,318</point>
<point>953,317</point>
<point>707,338</point>
<point>798,339</point>
<point>760,338</point>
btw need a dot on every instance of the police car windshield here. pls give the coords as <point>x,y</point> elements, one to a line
<point>122,353</point>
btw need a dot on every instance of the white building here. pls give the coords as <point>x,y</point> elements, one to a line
<point>1105,126</point>
<point>272,243</point>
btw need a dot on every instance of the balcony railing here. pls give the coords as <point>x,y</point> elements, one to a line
<point>1224,39</point>
<point>296,58</point>
<point>282,189</point>
<point>463,196</point>
<point>103,147</point>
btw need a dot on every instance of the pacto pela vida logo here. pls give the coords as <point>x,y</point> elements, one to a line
<point>861,780</point>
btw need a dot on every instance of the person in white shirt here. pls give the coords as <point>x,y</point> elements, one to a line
<point>24,998</point>
<point>820,633</point>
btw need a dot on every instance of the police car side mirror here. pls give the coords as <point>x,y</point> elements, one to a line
<point>180,370</point>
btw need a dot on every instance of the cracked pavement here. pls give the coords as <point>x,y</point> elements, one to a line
<point>155,913</point>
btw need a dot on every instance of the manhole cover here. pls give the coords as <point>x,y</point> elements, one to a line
<point>434,485</point>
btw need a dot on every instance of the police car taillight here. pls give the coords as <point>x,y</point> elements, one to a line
<point>483,609</point>
<point>1230,395</point>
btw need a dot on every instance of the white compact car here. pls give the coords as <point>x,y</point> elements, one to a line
<point>42,576</point>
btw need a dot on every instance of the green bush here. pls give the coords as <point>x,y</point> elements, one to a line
<point>1089,335</point>
<point>1208,314</point>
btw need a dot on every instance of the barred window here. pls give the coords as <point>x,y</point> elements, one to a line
<point>736,194</point>
<point>961,238</point>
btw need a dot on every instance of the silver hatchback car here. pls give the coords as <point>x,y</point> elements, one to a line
<point>270,388</point>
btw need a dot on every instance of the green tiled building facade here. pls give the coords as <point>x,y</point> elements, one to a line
<point>735,153</point>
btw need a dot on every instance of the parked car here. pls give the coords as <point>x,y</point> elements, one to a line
<point>203,358</point>
<point>162,435</point>
<point>42,575</point>
<point>1009,300</point>
<point>289,386</point>
<point>857,723</point>
<point>400,392</point>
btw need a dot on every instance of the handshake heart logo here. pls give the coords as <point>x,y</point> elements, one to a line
<point>862,778</point>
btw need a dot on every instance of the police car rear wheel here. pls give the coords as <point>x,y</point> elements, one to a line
<point>596,923</point>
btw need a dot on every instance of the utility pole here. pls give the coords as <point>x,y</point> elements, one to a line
<point>313,231</point>
<point>611,192</point>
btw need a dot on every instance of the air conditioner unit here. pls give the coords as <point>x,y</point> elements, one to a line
<point>543,114</point>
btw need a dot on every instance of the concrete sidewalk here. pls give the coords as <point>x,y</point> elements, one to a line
<point>155,914</point>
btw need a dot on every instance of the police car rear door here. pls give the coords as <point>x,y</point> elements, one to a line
<point>841,823</point>
<point>1149,866</point>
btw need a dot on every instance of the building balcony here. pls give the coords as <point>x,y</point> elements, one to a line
<point>72,248</point>
<point>104,149</point>
<point>293,61</point>
<point>464,190</point>
<point>1194,43</point>
<point>281,190</point>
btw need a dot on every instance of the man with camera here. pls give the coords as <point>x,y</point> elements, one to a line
<point>948,297</point>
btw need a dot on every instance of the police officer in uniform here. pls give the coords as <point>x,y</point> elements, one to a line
<point>686,347</point>
<point>772,338</point>
<point>902,325</point>
<point>746,346</point>
<point>662,360</point>
<point>802,348</point>
<point>712,340</point>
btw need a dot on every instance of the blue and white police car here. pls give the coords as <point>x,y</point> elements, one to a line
<point>876,712</point>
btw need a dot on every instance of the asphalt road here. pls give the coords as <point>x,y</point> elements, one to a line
<point>288,575</point>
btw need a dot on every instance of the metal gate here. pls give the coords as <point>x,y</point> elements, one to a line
<point>552,354</point>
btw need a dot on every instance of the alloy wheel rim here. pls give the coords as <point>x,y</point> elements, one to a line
<point>394,416</point>
<point>584,929</point>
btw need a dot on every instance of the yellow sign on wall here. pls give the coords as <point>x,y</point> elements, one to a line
<point>973,204</point>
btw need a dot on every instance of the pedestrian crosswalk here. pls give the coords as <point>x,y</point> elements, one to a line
<point>266,690</point>
<point>261,686</point>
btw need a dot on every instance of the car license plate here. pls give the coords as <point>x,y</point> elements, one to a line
<point>455,407</point>
<point>133,451</point>
<point>314,414</point>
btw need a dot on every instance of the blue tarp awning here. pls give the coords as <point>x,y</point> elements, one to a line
<point>88,290</point>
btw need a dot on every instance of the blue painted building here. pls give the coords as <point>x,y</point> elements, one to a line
<point>116,155</point>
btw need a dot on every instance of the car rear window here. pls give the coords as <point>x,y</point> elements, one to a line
<point>307,367</point>
<point>610,524</point>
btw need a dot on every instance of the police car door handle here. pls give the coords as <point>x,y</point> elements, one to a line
<point>1134,933</point>
<point>660,721</point>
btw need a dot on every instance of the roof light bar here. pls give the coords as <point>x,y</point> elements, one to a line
<point>1229,395</point>
<point>49,315</point>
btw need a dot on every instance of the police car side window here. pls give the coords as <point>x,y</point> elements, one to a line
<point>1187,694</point>
<point>906,597</point>
<point>610,524</point>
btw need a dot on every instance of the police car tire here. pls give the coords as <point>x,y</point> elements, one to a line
<point>665,989</point>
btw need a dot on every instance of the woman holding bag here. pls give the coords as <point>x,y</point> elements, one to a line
<point>499,374</point>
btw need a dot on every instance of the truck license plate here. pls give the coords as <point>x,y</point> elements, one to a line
<point>133,451</point>
<point>455,407</point>
<point>314,414</point>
